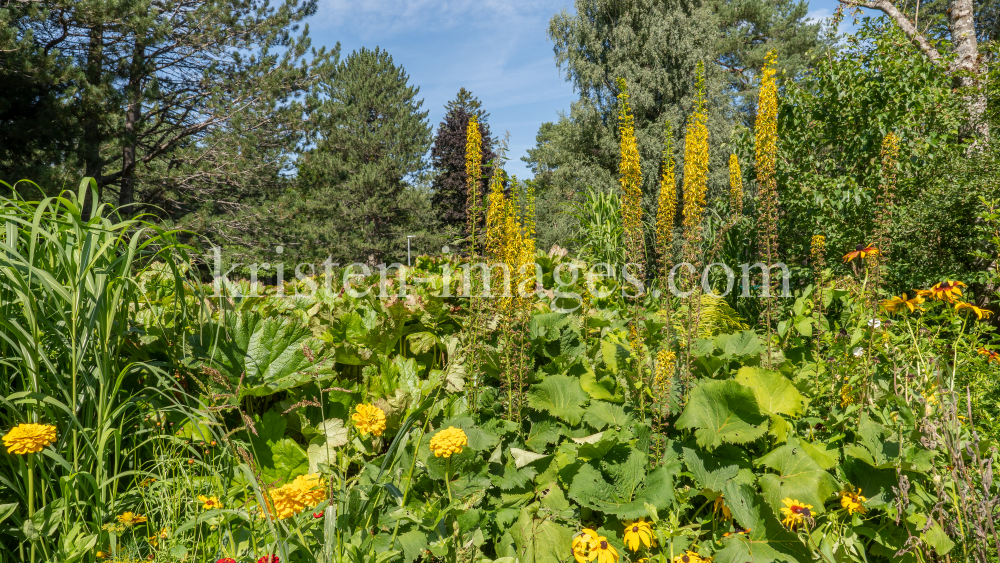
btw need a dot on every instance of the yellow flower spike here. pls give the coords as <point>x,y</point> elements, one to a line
<point>766,154</point>
<point>666,211</point>
<point>980,313</point>
<point>853,501</point>
<point>665,363</point>
<point>29,438</point>
<point>473,175</point>
<point>638,532</point>
<point>695,184</point>
<point>448,441</point>
<point>209,503</point>
<point>369,419</point>
<point>795,513</point>
<point>630,170</point>
<point>735,186</point>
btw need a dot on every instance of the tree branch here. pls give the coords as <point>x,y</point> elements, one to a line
<point>911,31</point>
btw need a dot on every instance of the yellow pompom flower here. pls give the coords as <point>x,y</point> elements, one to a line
<point>369,419</point>
<point>449,441</point>
<point>638,532</point>
<point>853,501</point>
<point>29,438</point>
<point>131,519</point>
<point>292,498</point>
<point>209,503</point>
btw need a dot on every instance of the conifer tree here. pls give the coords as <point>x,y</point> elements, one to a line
<point>450,190</point>
<point>370,141</point>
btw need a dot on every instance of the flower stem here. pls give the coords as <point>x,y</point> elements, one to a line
<point>447,478</point>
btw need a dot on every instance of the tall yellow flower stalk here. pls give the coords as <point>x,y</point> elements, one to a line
<point>766,146</point>
<point>630,171</point>
<point>473,177</point>
<point>496,211</point>
<point>817,251</point>
<point>886,196</point>
<point>695,166</point>
<point>735,186</point>
<point>666,212</point>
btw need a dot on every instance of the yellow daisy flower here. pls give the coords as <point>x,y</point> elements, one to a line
<point>897,304</point>
<point>636,532</point>
<point>131,519</point>
<point>448,441</point>
<point>369,419</point>
<point>584,544</point>
<point>29,438</point>
<point>209,502</point>
<point>861,251</point>
<point>720,506</point>
<point>947,291</point>
<point>980,313</point>
<point>604,551</point>
<point>688,557</point>
<point>853,501</point>
<point>795,513</point>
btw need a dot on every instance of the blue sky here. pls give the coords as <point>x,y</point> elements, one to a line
<point>497,49</point>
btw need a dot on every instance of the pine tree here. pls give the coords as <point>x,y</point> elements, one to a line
<point>370,140</point>
<point>450,191</point>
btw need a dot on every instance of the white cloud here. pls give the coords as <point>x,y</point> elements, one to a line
<point>818,15</point>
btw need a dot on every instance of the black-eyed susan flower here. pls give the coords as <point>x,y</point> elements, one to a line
<point>991,355</point>
<point>209,503</point>
<point>369,419</point>
<point>449,441</point>
<point>897,304</point>
<point>688,557</point>
<point>131,519</point>
<point>29,438</point>
<point>604,552</point>
<point>638,532</point>
<point>969,307</point>
<point>853,501</point>
<point>947,291</point>
<point>861,251</point>
<point>584,544</point>
<point>795,513</point>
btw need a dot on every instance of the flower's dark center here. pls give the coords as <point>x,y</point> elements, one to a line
<point>860,247</point>
<point>806,513</point>
<point>798,509</point>
<point>686,559</point>
<point>635,528</point>
<point>604,545</point>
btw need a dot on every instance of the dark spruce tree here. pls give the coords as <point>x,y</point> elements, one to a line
<point>370,141</point>
<point>450,191</point>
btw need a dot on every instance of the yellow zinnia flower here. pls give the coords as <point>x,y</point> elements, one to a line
<point>448,441</point>
<point>898,303</point>
<point>861,251</point>
<point>853,501</point>
<point>795,512</point>
<point>584,544</point>
<point>636,532</point>
<point>369,419</point>
<point>209,502</point>
<point>980,313</point>
<point>292,498</point>
<point>131,519</point>
<point>688,557</point>
<point>29,438</point>
<point>946,291</point>
<point>604,551</point>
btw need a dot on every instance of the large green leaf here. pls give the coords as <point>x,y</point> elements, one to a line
<point>539,539</point>
<point>280,459</point>
<point>767,540</point>
<point>601,414</point>
<point>561,396</point>
<point>799,477</point>
<point>723,412</point>
<point>712,472</point>
<point>774,393</point>
<point>590,489</point>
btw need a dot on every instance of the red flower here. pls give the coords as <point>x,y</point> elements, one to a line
<point>226,560</point>
<point>269,559</point>
<point>317,514</point>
